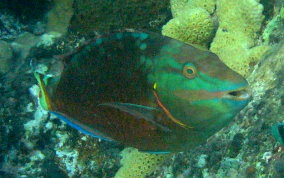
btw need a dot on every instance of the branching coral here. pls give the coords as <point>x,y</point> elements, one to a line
<point>236,40</point>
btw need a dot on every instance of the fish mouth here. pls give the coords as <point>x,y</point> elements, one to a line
<point>239,94</point>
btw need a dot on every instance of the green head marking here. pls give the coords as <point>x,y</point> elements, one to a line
<point>196,87</point>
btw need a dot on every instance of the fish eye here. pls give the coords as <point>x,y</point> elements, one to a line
<point>189,71</point>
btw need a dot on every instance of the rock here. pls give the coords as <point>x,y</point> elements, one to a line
<point>24,43</point>
<point>59,16</point>
<point>106,16</point>
<point>6,55</point>
<point>10,27</point>
<point>279,167</point>
<point>201,163</point>
<point>48,39</point>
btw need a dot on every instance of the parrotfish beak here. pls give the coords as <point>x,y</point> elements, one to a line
<point>239,94</point>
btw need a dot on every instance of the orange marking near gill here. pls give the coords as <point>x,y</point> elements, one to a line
<point>168,113</point>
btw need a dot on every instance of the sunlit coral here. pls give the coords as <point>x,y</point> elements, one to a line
<point>138,164</point>
<point>236,41</point>
<point>192,26</point>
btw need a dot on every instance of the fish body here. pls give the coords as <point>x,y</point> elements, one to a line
<point>147,91</point>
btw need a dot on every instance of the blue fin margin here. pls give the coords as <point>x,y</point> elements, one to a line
<point>77,127</point>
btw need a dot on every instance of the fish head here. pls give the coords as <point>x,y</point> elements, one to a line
<point>197,88</point>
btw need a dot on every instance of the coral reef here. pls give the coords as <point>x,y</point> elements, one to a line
<point>193,26</point>
<point>192,22</point>
<point>35,144</point>
<point>246,148</point>
<point>139,164</point>
<point>236,40</point>
<point>177,6</point>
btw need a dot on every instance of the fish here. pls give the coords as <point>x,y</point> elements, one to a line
<point>144,90</point>
<point>277,131</point>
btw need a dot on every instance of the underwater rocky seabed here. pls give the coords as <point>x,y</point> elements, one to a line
<point>35,144</point>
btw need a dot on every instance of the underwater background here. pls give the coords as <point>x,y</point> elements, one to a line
<point>247,35</point>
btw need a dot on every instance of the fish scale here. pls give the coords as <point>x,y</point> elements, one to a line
<point>145,90</point>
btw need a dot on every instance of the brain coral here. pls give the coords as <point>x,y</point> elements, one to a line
<point>236,41</point>
<point>137,164</point>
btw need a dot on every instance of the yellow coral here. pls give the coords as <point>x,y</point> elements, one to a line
<point>177,6</point>
<point>193,26</point>
<point>208,5</point>
<point>236,40</point>
<point>137,164</point>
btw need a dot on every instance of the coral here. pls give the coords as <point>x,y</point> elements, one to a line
<point>236,40</point>
<point>177,6</point>
<point>59,16</point>
<point>208,5</point>
<point>192,22</point>
<point>137,164</point>
<point>36,146</point>
<point>193,26</point>
<point>259,152</point>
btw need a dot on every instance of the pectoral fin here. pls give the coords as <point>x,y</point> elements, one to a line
<point>138,111</point>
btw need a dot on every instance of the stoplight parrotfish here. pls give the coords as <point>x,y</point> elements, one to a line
<point>145,90</point>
